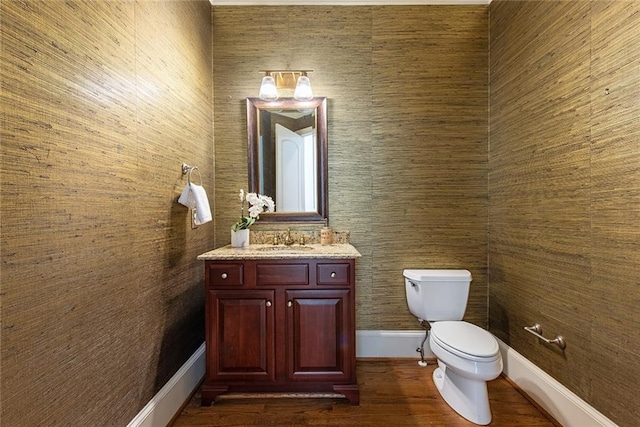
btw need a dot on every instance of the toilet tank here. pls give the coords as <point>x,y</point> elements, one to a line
<point>434,295</point>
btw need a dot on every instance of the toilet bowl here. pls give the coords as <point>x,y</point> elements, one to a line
<point>468,356</point>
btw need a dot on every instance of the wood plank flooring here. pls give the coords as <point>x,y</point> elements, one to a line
<point>393,392</point>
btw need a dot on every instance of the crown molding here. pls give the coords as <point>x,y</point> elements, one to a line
<point>345,2</point>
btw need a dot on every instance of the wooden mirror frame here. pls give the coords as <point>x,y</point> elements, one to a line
<point>254,105</point>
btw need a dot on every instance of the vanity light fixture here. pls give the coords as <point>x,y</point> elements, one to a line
<point>268,91</point>
<point>276,81</point>
<point>303,90</point>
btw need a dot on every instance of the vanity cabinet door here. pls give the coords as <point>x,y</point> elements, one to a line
<point>319,335</point>
<point>240,335</point>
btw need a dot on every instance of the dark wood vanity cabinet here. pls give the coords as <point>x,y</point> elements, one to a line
<point>283,325</point>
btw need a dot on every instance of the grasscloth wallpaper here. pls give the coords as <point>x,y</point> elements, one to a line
<point>407,111</point>
<point>564,192</point>
<point>103,101</point>
<point>101,292</point>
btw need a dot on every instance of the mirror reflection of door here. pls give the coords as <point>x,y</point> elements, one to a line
<point>295,170</point>
<point>304,199</point>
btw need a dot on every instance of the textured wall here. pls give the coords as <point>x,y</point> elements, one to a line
<point>101,293</point>
<point>564,192</point>
<point>407,109</point>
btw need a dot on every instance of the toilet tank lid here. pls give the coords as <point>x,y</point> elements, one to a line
<point>437,275</point>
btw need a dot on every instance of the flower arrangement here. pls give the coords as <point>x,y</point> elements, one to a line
<point>257,205</point>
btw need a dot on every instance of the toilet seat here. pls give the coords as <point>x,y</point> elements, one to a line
<point>465,340</point>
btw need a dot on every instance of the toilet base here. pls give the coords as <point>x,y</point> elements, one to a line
<point>467,397</point>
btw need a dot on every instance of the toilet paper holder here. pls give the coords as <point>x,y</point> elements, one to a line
<point>536,330</point>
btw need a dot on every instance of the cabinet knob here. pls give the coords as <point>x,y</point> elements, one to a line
<point>333,274</point>
<point>268,303</point>
<point>289,303</point>
<point>224,275</point>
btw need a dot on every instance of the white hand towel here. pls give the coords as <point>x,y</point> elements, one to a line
<point>184,198</point>
<point>194,197</point>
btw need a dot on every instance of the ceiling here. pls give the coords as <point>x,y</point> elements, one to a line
<point>343,2</point>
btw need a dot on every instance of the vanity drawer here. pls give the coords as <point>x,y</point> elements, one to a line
<point>282,274</point>
<point>227,274</point>
<point>333,274</point>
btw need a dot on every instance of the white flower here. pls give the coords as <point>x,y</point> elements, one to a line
<point>257,205</point>
<point>253,198</point>
<point>270,205</point>
<point>255,211</point>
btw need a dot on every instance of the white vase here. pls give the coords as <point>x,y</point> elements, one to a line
<point>240,238</point>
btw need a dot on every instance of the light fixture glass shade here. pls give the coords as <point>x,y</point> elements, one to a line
<point>268,91</point>
<point>303,90</point>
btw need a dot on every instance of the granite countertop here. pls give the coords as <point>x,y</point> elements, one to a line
<point>268,251</point>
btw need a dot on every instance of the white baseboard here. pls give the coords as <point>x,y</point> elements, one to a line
<point>391,344</point>
<point>167,402</point>
<point>560,402</point>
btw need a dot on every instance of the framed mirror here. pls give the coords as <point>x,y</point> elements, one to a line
<point>287,156</point>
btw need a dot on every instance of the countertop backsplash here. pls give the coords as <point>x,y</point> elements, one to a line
<point>310,236</point>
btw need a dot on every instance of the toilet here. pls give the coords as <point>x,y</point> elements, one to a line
<point>468,356</point>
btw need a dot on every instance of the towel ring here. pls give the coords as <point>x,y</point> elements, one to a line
<point>194,168</point>
<point>186,170</point>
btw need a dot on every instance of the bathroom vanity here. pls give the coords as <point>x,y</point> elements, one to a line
<point>280,319</point>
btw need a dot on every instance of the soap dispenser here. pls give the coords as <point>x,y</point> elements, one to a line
<point>326,234</point>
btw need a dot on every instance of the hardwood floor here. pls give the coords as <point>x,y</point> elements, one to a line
<point>393,392</point>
